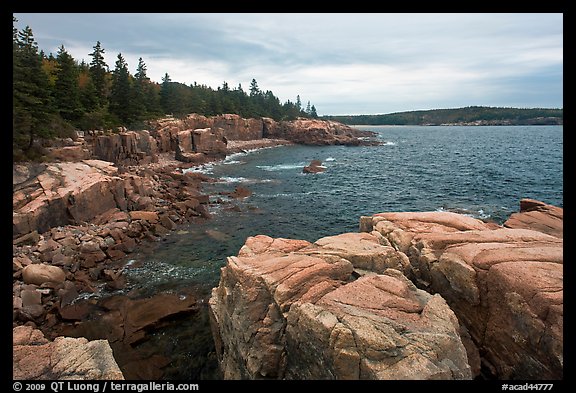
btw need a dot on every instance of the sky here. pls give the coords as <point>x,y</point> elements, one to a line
<point>344,63</point>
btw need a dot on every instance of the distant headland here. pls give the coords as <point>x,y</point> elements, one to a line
<point>468,116</point>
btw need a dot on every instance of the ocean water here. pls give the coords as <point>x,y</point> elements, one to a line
<point>479,171</point>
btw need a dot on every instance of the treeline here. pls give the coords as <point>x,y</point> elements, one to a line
<point>54,95</point>
<point>469,115</point>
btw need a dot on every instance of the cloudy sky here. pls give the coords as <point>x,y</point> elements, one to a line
<point>342,63</point>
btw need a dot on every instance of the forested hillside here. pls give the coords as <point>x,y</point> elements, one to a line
<point>53,95</point>
<point>471,115</point>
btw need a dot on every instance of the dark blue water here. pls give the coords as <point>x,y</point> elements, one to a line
<point>480,171</point>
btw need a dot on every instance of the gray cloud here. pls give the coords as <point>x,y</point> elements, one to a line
<point>343,63</point>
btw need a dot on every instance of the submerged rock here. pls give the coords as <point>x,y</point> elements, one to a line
<point>314,167</point>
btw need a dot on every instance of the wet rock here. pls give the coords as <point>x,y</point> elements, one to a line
<point>240,193</point>
<point>167,222</point>
<point>314,167</point>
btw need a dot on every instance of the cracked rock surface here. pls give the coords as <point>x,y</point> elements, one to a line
<point>65,358</point>
<point>294,310</point>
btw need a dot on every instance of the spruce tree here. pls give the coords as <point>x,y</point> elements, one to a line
<point>66,92</point>
<point>254,90</point>
<point>313,112</point>
<point>32,105</point>
<point>141,82</point>
<point>98,70</point>
<point>167,95</point>
<point>120,94</point>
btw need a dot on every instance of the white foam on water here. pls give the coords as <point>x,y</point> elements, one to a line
<point>329,159</point>
<point>206,169</point>
<point>286,195</point>
<point>231,179</point>
<point>281,167</point>
<point>479,214</point>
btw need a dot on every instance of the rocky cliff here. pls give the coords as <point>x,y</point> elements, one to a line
<point>315,132</point>
<point>422,295</point>
<point>198,139</point>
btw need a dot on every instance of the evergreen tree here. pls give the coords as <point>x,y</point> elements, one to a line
<point>88,95</point>
<point>167,95</point>
<point>254,90</point>
<point>120,95</point>
<point>32,105</point>
<point>298,103</point>
<point>313,113</point>
<point>139,92</point>
<point>98,70</point>
<point>308,109</point>
<point>67,93</point>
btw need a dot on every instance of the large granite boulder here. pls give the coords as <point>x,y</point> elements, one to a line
<point>289,309</point>
<point>40,273</point>
<point>504,284</point>
<point>65,358</point>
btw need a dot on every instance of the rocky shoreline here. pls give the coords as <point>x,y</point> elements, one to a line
<point>414,295</point>
<point>77,219</point>
<point>420,295</point>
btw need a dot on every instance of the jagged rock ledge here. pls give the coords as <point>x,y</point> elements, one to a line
<point>487,297</point>
<point>65,358</point>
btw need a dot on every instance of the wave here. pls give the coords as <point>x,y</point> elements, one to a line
<point>479,214</point>
<point>286,194</point>
<point>329,159</point>
<point>233,162</point>
<point>281,167</point>
<point>232,159</point>
<point>389,143</point>
<point>206,169</point>
<point>232,179</point>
